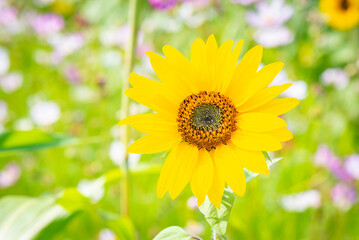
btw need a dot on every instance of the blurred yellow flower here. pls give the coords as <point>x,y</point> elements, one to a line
<point>63,7</point>
<point>341,14</point>
<point>214,116</point>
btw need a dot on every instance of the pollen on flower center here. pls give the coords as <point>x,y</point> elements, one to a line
<point>207,119</point>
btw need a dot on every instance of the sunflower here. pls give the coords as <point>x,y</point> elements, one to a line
<point>213,116</point>
<point>341,14</point>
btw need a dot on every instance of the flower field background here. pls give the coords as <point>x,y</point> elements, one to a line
<point>61,159</point>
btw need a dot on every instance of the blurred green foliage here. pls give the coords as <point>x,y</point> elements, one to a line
<point>87,127</point>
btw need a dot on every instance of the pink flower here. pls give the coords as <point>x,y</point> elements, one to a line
<point>343,196</point>
<point>162,4</point>
<point>244,2</point>
<point>47,24</point>
<point>324,157</point>
<point>273,37</point>
<point>72,74</point>
<point>351,165</point>
<point>272,14</point>
<point>9,175</point>
<point>8,15</point>
<point>336,77</point>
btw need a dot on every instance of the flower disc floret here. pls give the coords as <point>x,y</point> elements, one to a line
<point>207,119</point>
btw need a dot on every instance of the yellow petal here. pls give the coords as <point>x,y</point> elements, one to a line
<point>227,62</point>
<point>263,96</point>
<point>260,122</point>
<point>169,76</point>
<point>151,123</point>
<point>168,170</point>
<point>152,100</point>
<point>251,141</point>
<point>237,50</point>
<point>182,68</point>
<point>216,190</point>
<point>278,106</point>
<point>202,176</point>
<point>186,161</point>
<point>244,74</point>
<point>154,143</point>
<point>231,167</point>
<point>282,134</point>
<point>225,65</point>
<point>198,54</point>
<point>152,87</point>
<point>211,68</point>
<point>261,80</point>
<point>253,161</point>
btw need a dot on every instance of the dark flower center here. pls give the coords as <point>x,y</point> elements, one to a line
<point>207,119</point>
<point>344,4</point>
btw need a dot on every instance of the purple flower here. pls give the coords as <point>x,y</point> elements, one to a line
<point>72,74</point>
<point>324,157</point>
<point>162,4</point>
<point>351,165</point>
<point>47,24</point>
<point>272,14</point>
<point>9,175</point>
<point>273,37</point>
<point>336,77</point>
<point>244,2</point>
<point>343,196</point>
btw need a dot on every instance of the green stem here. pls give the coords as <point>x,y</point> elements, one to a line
<point>129,61</point>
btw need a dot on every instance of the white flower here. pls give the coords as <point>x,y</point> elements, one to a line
<point>336,77</point>
<point>4,61</point>
<point>273,37</point>
<point>117,154</point>
<point>194,228</point>
<point>106,234</point>
<point>298,90</point>
<point>9,175</point>
<point>93,189</point>
<point>45,113</point>
<point>23,124</point>
<point>193,14</point>
<point>64,45</point>
<point>111,58</point>
<point>83,93</point>
<point>301,201</point>
<point>192,203</point>
<point>3,110</point>
<point>11,82</point>
<point>270,15</point>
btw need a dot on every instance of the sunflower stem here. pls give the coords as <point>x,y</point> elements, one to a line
<point>129,62</point>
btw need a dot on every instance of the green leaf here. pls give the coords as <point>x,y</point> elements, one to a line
<point>174,233</point>
<point>73,201</point>
<point>218,218</point>
<point>31,140</point>
<point>25,217</point>
<point>56,226</point>
<point>123,228</point>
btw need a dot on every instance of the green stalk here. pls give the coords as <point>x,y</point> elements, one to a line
<point>129,61</point>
